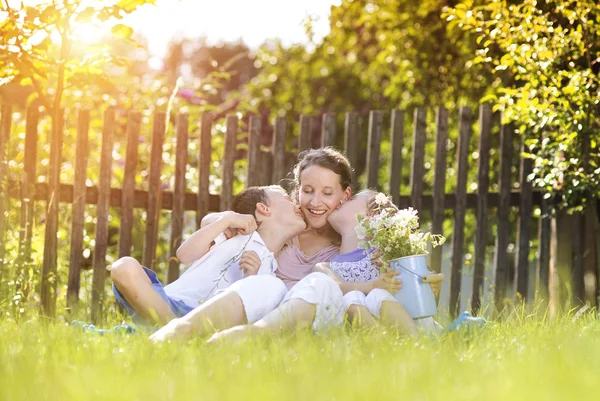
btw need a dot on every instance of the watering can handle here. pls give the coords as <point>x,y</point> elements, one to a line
<point>433,278</point>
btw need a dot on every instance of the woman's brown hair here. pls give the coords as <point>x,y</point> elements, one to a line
<point>328,158</point>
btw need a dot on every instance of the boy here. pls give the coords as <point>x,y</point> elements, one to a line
<point>266,217</point>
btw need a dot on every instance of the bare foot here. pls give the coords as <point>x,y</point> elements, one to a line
<point>176,329</point>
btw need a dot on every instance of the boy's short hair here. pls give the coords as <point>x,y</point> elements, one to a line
<point>245,202</point>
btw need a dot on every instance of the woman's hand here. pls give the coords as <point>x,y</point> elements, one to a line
<point>388,281</point>
<point>250,263</point>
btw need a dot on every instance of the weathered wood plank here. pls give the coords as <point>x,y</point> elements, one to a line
<point>543,262</point>
<point>418,158</point>
<point>374,148</point>
<point>351,140</point>
<point>396,144</point>
<point>204,161</point>
<point>524,226</point>
<point>78,209</point>
<point>227,165</point>
<point>134,119</point>
<point>28,179</point>
<point>191,199</point>
<point>439,183</point>
<point>577,280</point>
<point>561,260</point>
<point>178,196</point>
<point>483,186</point>
<point>153,211</point>
<point>503,224</point>
<point>328,133</point>
<point>49,278</point>
<point>5,125</point>
<point>254,137</point>
<point>458,233</point>
<point>304,138</point>
<point>102,215</point>
<point>266,167</point>
<point>279,164</point>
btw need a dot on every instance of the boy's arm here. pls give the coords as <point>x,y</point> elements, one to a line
<point>386,281</point>
<point>200,242</point>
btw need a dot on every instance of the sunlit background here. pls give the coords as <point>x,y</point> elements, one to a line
<point>252,22</point>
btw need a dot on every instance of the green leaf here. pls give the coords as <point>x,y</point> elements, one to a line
<point>122,31</point>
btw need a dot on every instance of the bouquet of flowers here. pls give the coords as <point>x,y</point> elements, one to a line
<point>394,232</point>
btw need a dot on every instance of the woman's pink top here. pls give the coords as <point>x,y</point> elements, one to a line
<point>294,264</point>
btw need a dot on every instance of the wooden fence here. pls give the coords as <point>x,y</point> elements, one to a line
<point>265,167</point>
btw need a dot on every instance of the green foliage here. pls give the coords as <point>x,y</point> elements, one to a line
<point>38,43</point>
<point>550,51</point>
<point>378,55</point>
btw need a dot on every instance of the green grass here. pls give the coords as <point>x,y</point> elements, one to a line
<point>523,358</point>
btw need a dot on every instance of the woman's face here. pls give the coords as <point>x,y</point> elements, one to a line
<point>320,193</point>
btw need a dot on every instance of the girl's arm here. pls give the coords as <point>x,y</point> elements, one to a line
<point>212,217</point>
<point>200,242</point>
<point>386,281</point>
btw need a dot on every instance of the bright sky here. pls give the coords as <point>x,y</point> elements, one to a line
<point>251,20</point>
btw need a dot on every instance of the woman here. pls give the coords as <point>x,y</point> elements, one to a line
<point>323,183</point>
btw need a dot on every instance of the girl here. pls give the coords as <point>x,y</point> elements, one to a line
<point>367,294</point>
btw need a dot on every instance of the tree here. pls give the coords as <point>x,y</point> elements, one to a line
<point>550,48</point>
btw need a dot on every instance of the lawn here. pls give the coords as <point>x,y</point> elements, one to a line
<point>523,358</point>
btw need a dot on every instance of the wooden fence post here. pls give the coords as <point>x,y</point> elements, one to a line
<point>483,185</point>
<point>458,234</point>
<point>153,211</point>
<point>102,214</point>
<point>204,162</point>
<point>439,183</point>
<point>396,144</point>
<point>543,263</point>
<point>374,147</point>
<point>228,163</point>
<point>78,209</point>
<point>28,180</point>
<point>418,158</point>
<point>503,232</point>
<point>561,259</point>
<point>178,196</point>
<point>351,141</point>
<point>328,133</point>
<point>524,224</point>
<point>304,139</point>
<point>5,125</point>
<point>49,279</point>
<point>279,170</point>
<point>134,119</point>
<point>577,279</point>
<point>254,152</point>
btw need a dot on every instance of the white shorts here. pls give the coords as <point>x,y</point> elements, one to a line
<point>260,295</point>
<point>372,301</point>
<point>320,290</point>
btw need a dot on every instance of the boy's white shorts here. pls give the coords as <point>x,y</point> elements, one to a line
<point>260,295</point>
<point>320,290</point>
<point>372,301</point>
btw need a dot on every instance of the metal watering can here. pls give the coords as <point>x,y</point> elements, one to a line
<point>416,295</point>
